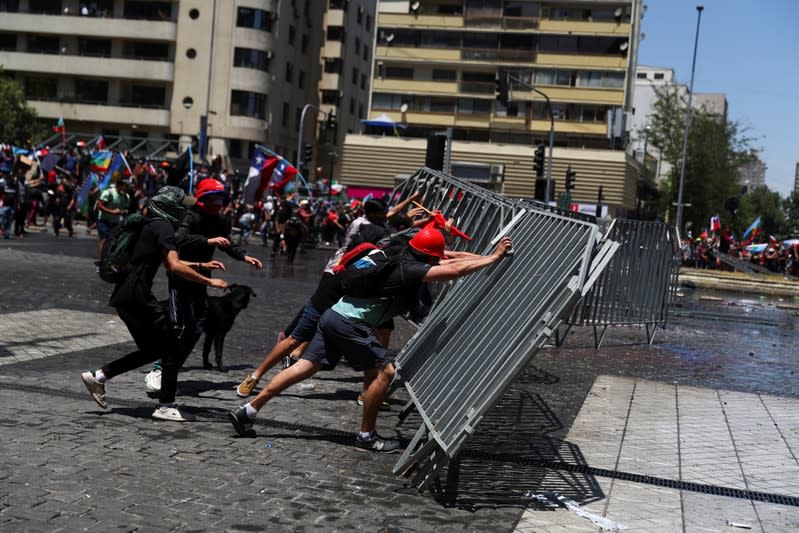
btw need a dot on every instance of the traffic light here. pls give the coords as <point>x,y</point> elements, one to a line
<point>502,91</point>
<point>307,152</point>
<point>331,121</point>
<point>538,161</point>
<point>570,174</point>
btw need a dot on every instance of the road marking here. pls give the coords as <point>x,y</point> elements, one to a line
<point>32,335</point>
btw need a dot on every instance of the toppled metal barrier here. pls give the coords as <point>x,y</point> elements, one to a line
<point>484,331</point>
<point>639,284</point>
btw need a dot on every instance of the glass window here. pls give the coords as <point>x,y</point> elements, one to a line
<point>251,58</point>
<point>43,45</point>
<point>92,91</point>
<point>150,50</point>
<point>439,104</point>
<point>386,101</point>
<point>444,75</point>
<point>440,39</point>
<point>147,95</point>
<point>659,76</point>
<point>641,75</point>
<point>363,81</point>
<point>330,97</point>
<point>614,80</point>
<point>147,10</point>
<point>301,79</point>
<point>355,76</point>
<point>352,106</point>
<point>49,7</point>
<point>366,53</point>
<point>408,38</point>
<point>399,73</point>
<point>589,79</point>
<point>9,6</point>
<point>8,42</point>
<point>474,106</point>
<point>284,116</point>
<point>553,77</point>
<point>41,87</point>
<point>292,34</point>
<point>248,104</point>
<point>304,43</point>
<point>289,72</point>
<point>256,19</point>
<point>333,65</point>
<point>336,33</point>
<point>357,45</point>
<point>94,47</point>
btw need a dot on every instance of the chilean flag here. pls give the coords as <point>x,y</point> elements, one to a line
<point>267,170</point>
<point>715,223</point>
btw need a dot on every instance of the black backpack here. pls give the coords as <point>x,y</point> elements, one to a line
<point>293,227</point>
<point>118,248</point>
<point>366,277</point>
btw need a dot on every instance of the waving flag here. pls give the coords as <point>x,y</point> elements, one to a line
<point>715,223</point>
<point>100,162</point>
<point>752,231</point>
<point>116,171</point>
<point>83,193</point>
<point>100,143</point>
<point>267,170</point>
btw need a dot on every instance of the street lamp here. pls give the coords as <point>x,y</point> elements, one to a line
<point>678,220</point>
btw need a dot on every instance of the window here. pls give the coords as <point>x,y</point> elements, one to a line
<point>360,111</point>
<point>386,101</point>
<point>150,50</point>
<point>399,73</point>
<point>355,76</point>
<point>41,87</point>
<point>440,39</point>
<point>147,95</point>
<point>284,116</point>
<point>444,75</point>
<point>330,97</point>
<point>251,58</point>
<point>256,19</point>
<point>333,65</point>
<point>43,45</point>
<point>9,6</point>
<point>248,104</point>
<point>641,75</point>
<point>92,91</point>
<point>474,106</point>
<point>553,77</point>
<point>94,47</point>
<point>304,43</point>
<point>659,75</point>
<point>365,53</point>
<point>352,106</point>
<point>289,72</point>
<point>148,10</point>
<point>609,80</point>
<point>301,79</point>
<point>438,104</point>
<point>336,33</point>
<point>48,7</point>
<point>292,34</point>
<point>8,42</point>
<point>359,15</point>
<point>357,45</point>
<point>363,81</point>
<point>368,22</point>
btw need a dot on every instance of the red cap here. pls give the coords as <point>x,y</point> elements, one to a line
<point>429,241</point>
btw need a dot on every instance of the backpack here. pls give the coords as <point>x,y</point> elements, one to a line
<point>293,227</point>
<point>366,277</point>
<point>118,248</point>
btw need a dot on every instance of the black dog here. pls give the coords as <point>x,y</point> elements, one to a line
<point>222,311</point>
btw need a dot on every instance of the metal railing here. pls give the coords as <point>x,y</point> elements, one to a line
<point>638,285</point>
<point>137,147</point>
<point>484,331</point>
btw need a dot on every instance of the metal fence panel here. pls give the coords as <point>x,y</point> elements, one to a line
<point>640,282</point>
<point>485,330</point>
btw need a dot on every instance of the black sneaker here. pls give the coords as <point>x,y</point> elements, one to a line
<point>377,444</point>
<point>241,422</point>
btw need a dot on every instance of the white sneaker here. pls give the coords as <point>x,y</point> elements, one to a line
<point>171,413</point>
<point>153,380</point>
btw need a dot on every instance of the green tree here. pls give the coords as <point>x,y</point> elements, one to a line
<point>716,149</point>
<point>790,206</point>
<point>17,119</point>
<point>767,205</point>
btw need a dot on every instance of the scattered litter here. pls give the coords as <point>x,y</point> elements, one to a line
<point>738,524</point>
<point>268,444</point>
<point>306,386</point>
<point>555,499</point>
<point>308,475</point>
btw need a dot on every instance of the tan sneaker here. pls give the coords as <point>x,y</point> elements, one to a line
<point>246,387</point>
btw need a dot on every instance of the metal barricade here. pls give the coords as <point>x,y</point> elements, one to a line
<point>638,285</point>
<point>484,332</point>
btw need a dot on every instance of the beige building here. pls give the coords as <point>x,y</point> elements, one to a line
<point>435,67</point>
<point>156,69</point>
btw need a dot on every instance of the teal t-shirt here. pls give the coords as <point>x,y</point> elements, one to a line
<point>112,199</point>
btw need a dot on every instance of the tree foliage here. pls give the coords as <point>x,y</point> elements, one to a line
<point>790,206</point>
<point>17,119</point>
<point>763,203</point>
<point>716,150</point>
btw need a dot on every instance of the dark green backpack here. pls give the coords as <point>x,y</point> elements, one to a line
<point>118,248</point>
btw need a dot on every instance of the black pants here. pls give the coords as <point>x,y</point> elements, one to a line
<point>292,243</point>
<point>59,214</point>
<point>167,332</point>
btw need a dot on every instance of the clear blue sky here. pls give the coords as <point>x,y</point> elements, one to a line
<point>748,50</point>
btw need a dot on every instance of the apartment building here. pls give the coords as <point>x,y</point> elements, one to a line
<point>435,66</point>
<point>160,69</point>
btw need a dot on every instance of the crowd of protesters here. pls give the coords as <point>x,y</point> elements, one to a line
<point>708,251</point>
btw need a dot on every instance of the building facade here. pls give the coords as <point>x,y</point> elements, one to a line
<point>241,70</point>
<point>435,68</point>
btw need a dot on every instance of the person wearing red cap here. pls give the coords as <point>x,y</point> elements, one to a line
<point>348,328</point>
<point>201,231</point>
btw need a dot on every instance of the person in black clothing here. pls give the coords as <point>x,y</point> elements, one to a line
<point>63,203</point>
<point>294,232</point>
<point>151,326</point>
<point>201,231</point>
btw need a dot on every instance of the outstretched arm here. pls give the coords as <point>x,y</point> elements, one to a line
<point>459,268</point>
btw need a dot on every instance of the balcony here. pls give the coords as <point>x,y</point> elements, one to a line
<point>88,66</point>
<point>108,113</point>
<point>91,27</point>
<point>392,20</point>
<point>498,54</point>
<point>594,62</point>
<point>584,27</point>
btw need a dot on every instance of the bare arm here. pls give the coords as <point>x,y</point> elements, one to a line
<point>462,267</point>
<point>452,254</point>
<point>175,266</point>
<point>400,207</point>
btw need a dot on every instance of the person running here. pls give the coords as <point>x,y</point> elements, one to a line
<point>348,330</point>
<point>150,324</point>
<point>202,230</point>
<point>112,208</point>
